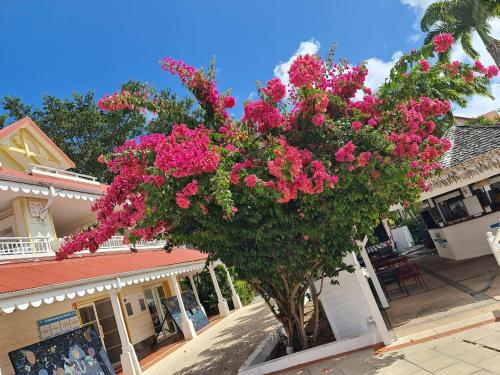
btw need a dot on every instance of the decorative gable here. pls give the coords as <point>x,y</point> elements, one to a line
<point>23,143</point>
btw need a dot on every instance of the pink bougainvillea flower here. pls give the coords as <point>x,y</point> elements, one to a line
<point>442,42</point>
<point>229,102</point>
<point>251,180</point>
<point>424,65</point>
<point>275,90</point>
<point>356,125</point>
<point>318,119</point>
<point>306,70</point>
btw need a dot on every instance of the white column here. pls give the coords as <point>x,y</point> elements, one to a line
<point>371,271</point>
<point>235,297</point>
<point>222,305</point>
<point>195,291</point>
<point>130,363</point>
<point>372,304</point>
<point>187,325</point>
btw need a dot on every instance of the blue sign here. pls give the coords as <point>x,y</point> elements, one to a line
<point>79,352</point>
<point>193,310</point>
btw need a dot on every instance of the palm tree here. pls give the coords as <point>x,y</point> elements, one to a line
<point>460,18</point>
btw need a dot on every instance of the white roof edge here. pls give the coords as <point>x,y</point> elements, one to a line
<point>23,299</point>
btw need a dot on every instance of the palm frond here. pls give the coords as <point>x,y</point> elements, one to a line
<point>466,42</point>
<point>435,13</point>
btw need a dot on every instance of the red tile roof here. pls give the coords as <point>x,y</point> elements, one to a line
<point>10,174</point>
<point>26,121</point>
<point>29,275</point>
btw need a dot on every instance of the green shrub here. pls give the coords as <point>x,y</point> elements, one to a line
<point>245,291</point>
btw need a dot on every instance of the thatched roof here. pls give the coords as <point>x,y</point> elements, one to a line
<point>475,149</point>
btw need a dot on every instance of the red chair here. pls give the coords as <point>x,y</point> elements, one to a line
<point>411,271</point>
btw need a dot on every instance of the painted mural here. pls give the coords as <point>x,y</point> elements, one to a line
<point>79,352</point>
<point>193,310</point>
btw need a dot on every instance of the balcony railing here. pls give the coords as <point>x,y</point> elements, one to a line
<point>54,172</point>
<point>24,247</point>
<point>143,244</point>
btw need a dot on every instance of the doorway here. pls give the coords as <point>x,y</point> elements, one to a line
<point>154,297</point>
<point>100,314</point>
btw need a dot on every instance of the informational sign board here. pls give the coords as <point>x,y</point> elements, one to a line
<point>78,352</point>
<point>59,324</point>
<point>193,310</point>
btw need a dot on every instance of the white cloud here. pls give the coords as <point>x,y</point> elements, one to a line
<point>310,47</point>
<point>419,5</point>
<point>414,38</point>
<point>479,105</point>
<point>378,70</point>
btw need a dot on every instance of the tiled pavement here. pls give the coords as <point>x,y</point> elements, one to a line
<point>473,351</point>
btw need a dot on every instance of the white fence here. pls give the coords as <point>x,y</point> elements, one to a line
<point>20,247</point>
<point>494,242</point>
<point>25,247</point>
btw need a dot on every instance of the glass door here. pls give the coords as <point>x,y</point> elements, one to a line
<point>100,314</point>
<point>154,297</point>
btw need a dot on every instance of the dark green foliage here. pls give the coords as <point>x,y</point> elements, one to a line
<point>84,132</point>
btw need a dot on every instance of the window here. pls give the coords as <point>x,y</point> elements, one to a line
<point>128,307</point>
<point>142,304</point>
<point>452,207</point>
<point>488,192</point>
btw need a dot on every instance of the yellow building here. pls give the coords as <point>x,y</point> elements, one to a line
<point>118,290</point>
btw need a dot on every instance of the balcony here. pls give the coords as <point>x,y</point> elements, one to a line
<point>54,172</point>
<point>25,247</point>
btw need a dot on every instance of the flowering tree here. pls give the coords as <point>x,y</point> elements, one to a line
<point>281,193</point>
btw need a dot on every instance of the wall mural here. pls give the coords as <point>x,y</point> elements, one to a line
<point>79,352</point>
<point>193,310</point>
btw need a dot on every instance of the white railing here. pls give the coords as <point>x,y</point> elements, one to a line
<point>54,172</point>
<point>114,243</point>
<point>142,244</point>
<point>494,242</point>
<point>22,247</point>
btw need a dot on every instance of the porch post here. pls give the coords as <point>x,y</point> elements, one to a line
<point>187,325</point>
<point>371,271</point>
<point>222,305</point>
<point>130,363</point>
<point>235,297</point>
<point>195,291</point>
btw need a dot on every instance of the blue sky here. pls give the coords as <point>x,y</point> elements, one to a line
<point>57,47</point>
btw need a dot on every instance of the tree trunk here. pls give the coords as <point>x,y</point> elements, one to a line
<point>493,48</point>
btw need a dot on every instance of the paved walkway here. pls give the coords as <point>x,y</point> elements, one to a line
<point>221,349</point>
<point>474,351</point>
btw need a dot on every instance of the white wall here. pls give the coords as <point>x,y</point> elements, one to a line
<point>465,240</point>
<point>346,307</point>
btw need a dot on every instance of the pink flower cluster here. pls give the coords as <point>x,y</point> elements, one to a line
<point>491,71</point>
<point>345,154</point>
<point>442,42</point>
<point>203,89</point>
<point>275,90</point>
<point>306,71</point>
<point>234,176</point>
<point>186,152</point>
<point>182,197</point>
<point>289,168</point>
<point>264,115</point>
<point>119,100</point>
<point>424,65</point>
<point>346,81</point>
